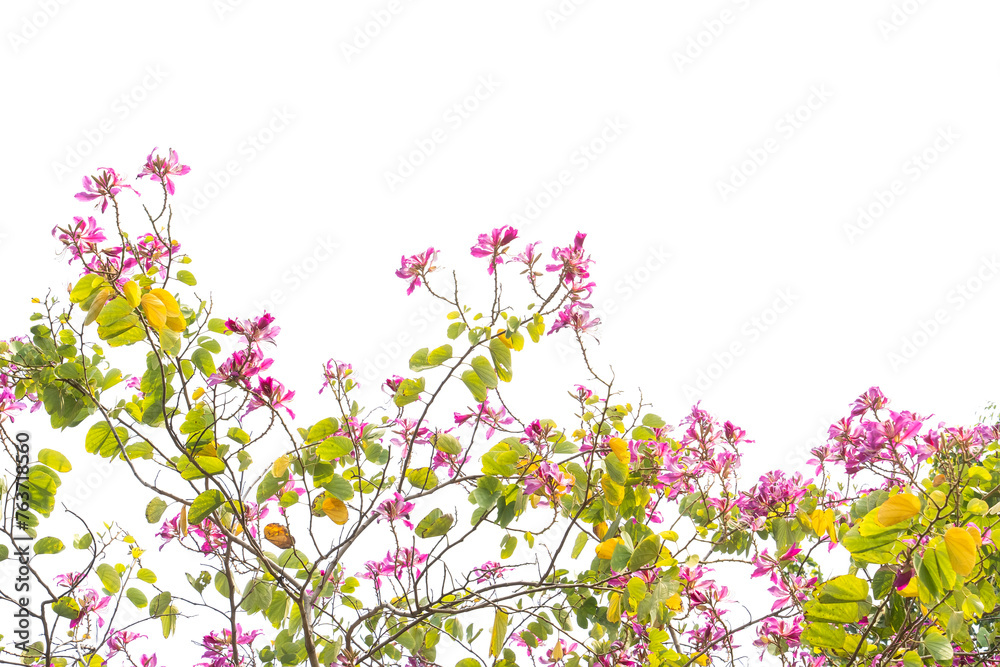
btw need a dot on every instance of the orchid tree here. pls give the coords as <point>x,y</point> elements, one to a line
<point>427,528</point>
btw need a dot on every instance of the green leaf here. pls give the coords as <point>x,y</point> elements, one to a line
<point>501,359</point>
<point>186,277</point>
<point>335,447</point>
<point>109,577</point>
<point>645,553</point>
<point>54,460</point>
<point>653,421</point>
<point>882,583</point>
<point>581,542</point>
<point>101,439</point>
<point>146,575</point>
<point>422,478</point>
<point>499,632</point>
<point>203,360</point>
<point>475,385</point>
<point>168,621</point>
<point>876,549</point>
<point>86,286</point>
<point>447,443</point>
<point>439,355</point>
<point>206,503</point>
<point>66,607</point>
<point>408,391</point>
<point>137,597</point>
<point>485,372</point>
<point>824,635</point>
<point>159,604</point>
<point>48,545</point>
<point>4,552</point>
<point>435,524</point>
<point>846,588</point>
<point>468,662</point>
<point>939,647</point>
<point>339,488</point>
<point>455,329</point>
<point>155,509</point>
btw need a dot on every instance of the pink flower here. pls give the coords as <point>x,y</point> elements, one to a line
<point>259,330</point>
<point>219,647</point>
<point>103,186</point>
<point>90,602</point>
<point>779,631</point>
<point>83,236</point>
<point>493,419</point>
<point>490,571</point>
<point>120,639</point>
<point>549,481</point>
<point>396,508</point>
<point>493,245</point>
<point>575,316</point>
<point>9,405</point>
<point>570,261</point>
<point>240,367</point>
<point>270,393</point>
<point>335,372</point>
<point>161,168</point>
<point>70,579</point>
<point>416,267</point>
<point>873,400</point>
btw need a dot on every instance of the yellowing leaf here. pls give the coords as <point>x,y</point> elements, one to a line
<point>176,324</point>
<point>131,291</point>
<point>897,509</point>
<point>601,530</point>
<point>97,305</point>
<point>910,591</point>
<point>674,602</point>
<point>620,448</point>
<point>336,510</point>
<point>198,393</point>
<point>169,302</point>
<point>278,535</point>
<point>183,521</point>
<point>606,548</point>
<point>280,466</point>
<point>961,550</point>
<point>156,312</point>
<point>976,535</point>
<point>614,607</point>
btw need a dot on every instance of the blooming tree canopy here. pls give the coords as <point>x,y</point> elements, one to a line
<point>602,535</point>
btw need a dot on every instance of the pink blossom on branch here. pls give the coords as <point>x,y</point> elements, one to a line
<point>575,316</point>
<point>270,393</point>
<point>104,186</point>
<point>416,267</point>
<point>83,236</point>
<point>161,168</point>
<point>494,245</point>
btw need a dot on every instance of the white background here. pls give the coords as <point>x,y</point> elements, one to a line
<point>698,89</point>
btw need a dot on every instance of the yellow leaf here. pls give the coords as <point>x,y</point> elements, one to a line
<point>601,530</point>
<point>169,302</point>
<point>131,291</point>
<point>613,493</point>
<point>831,525</point>
<point>557,652</point>
<point>137,553</point>
<point>606,548</point>
<point>961,550</point>
<point>278,535</point>
<point>614,607</point>
<point>897,509</point>
<point>198,393</point>
<point>674,602</point>
<point>502,335</point>
<point>976,535</point>
<point>156,312</point>
<point>183,521</point>
<point>97,305</point>
<point>176,324</point>
<point>702,659</point>
<point>336,510</point>
<point>620,448</point>
<point>280,466</point>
